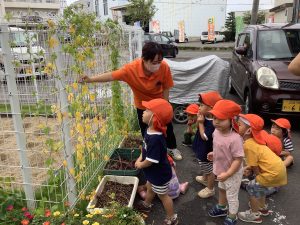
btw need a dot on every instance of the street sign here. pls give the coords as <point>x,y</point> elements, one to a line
<point>211,29</point>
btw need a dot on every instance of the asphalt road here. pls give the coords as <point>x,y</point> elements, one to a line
<point>193,211</point>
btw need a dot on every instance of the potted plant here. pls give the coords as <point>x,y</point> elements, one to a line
<point>122,162</point>
<point>121,189</point>
<point>133,140</point>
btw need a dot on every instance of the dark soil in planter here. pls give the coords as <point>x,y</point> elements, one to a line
<point>121,192</point>
<point>132,142</point>
<point>122,164</point>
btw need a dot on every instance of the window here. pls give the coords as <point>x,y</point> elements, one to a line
<point>157,38</point>
<point>245,40</point>
<point>277,44</point>
<point>105,7</point>
<point>165,39</point>
<point>96,7</point>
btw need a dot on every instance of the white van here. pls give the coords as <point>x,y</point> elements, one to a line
<point>28,60</point>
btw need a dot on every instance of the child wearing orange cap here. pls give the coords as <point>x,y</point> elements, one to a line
<point>192,111</point>
<point>281,128</point>
<point>267,167</point>
<point>203,142</point>
<point>227,157</point>
<point>153,159</point>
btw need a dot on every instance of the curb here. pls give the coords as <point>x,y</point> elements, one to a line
<point>207,48</point>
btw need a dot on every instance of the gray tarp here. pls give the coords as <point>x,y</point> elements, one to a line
<point>198,75</point>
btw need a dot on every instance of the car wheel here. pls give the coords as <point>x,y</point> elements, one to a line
<point>215,41</point>
<point>203,42</point>
<point>179,115</point>
<point>230,87</point>
<point>174,53</point>
<point>247,107</point>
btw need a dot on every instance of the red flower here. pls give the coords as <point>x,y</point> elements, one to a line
<point>28,215</point>
<point>10,208</point>
<point>47,213</point>
<point>63,224</point>
<point>24,209</point>
<point>25,222</point>
<point>46,223</point>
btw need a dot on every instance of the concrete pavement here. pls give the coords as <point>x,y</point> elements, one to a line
<point>198,46</point>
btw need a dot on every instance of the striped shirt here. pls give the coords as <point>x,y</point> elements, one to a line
<point>287,144</point>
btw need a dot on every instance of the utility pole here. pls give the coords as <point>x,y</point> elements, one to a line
<point>296,10</point>
<point>254,12</point>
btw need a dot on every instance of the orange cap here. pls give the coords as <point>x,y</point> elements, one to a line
<point>225,109</point>
<point>192,109</point>
<point>256,124</point>
<point>210,98</point>
<point>272,142</point>
<point>283,123</point>
<point>162,113</point>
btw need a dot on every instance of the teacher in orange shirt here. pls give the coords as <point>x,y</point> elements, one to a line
<point>149,77</point>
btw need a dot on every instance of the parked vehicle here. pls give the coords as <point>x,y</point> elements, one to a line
<point>169,35</point>
<point>176,36</point>
<point>169,47</point>
<point>218,37</point>
<point>259,69</point>
<point>28,56</point>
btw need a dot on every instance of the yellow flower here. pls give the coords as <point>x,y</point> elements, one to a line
<point>72,29</point>
<point>80,57</point>
<point>70,97</point>
<point>28,71</point>
<point>85,89</point>
<point>80,128</point>
<point>92,97</point>
<point>50,23</point>
<point>98,211</point>
<point>78,116</point>
<point>85,222</point>
<point>59,117</point>
<point>75,86</point>
<point>53,108</point>
<point>72,171</point>
<point>106,158</point>
<point>89,216</point>
<point>65,163</point>
<point>49,68</point>
<point>56,213</point>
<point>91,64</point>
<point>76,215</point>
<point>96,223</point>
<point>52,42</point>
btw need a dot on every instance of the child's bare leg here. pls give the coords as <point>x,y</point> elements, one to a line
<point>222,197</point>
<point>210,181</point>
<point>254,203</point>
<point>262,202</point>
<point>150,194</point>
<point>288,160</point>
<point>168,204</point>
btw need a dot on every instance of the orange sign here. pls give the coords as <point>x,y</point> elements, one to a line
<point>211,29</point>
<point>181,31</point>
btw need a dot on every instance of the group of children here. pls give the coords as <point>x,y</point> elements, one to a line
<point>229,146</point>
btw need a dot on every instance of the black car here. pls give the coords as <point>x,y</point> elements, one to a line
<point>169,47</point>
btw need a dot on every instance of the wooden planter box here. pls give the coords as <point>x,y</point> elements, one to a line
<point>117,179</point>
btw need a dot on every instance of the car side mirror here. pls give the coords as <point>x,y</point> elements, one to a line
<point>241,50</point>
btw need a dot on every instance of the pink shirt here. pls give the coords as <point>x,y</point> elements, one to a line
<point>225,149</point>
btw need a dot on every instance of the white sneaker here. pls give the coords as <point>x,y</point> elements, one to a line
<point>206,193</point>
<point>175,153</point>
<point>200,179</point>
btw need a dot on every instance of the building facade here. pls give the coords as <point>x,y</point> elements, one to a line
<point>30,10</point>
<point>282,12</point>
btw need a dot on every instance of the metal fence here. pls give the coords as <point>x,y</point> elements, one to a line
<point>54,133</point>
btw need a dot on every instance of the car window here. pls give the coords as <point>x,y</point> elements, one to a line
<point>157,38</point>
<point>204,33</point>
<point>165,39</point>
<point>277,44</point>
<point>216,32</point>
<point>241,40</point>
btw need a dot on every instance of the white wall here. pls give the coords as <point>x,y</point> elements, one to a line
<point>195,14</point>
<point>111,3</point>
